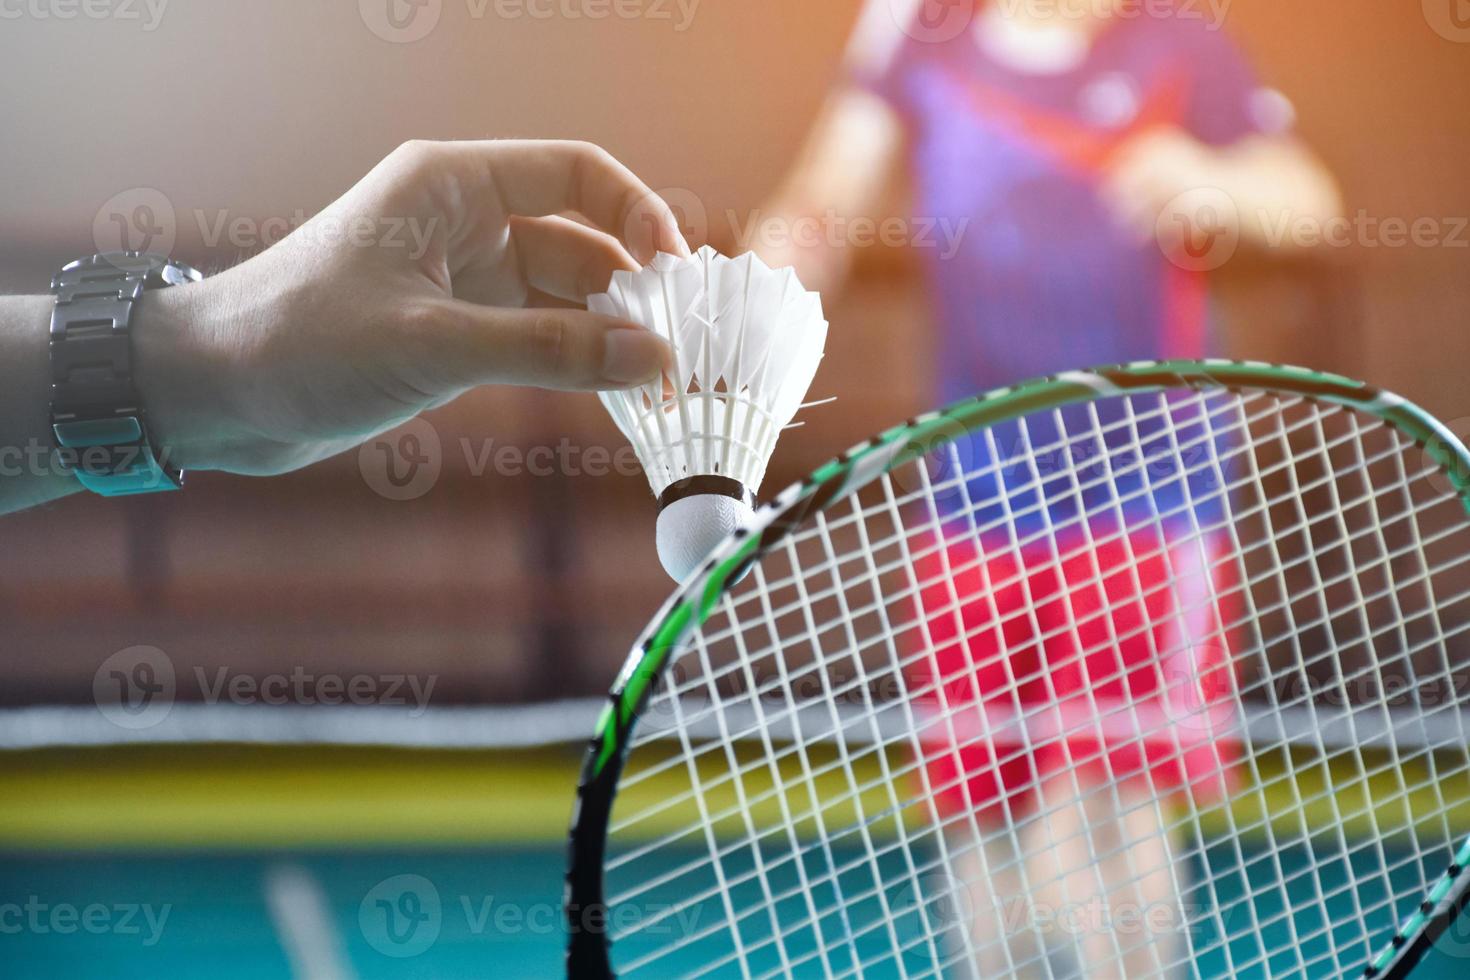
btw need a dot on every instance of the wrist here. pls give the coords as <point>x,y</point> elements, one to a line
<point>30,473</point>
<point>183,373</point>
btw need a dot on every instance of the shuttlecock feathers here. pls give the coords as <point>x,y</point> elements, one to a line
<point>746,343</point>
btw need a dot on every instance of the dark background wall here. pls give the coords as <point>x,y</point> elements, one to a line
<point>512,585</point>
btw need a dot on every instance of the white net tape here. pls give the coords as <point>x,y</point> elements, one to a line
<point>1028,717</point>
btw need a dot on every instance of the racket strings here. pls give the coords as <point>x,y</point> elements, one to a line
<point>778,585</point>
<point>652,730</point>
<point>738,735</point>
<point>1069,447</point>
<point>1385,591</point>
<point>788,767</point>
<point>1112,639</point>
<point>765,718</point>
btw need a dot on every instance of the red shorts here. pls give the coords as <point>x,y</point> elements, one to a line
<point>1110,661</point>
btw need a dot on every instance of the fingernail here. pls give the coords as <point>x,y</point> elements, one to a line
<point>675,236</point>
<point>632,356</point>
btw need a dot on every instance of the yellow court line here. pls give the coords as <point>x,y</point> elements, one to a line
<point>249,797</point>
<point>254,797</point>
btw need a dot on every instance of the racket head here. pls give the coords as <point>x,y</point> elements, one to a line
<point>679,621</point>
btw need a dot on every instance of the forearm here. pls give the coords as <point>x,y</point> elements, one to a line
<point>339,332</point>
<point>182,389</point>
<point>30,473</point>
<point>1276,185</point>
<point>839,175</point>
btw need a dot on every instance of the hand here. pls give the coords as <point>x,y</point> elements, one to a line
<point>1148,175</point>
<point>406,292</point>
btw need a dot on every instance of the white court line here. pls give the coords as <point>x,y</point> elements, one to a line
<point>303,922</point>
<point>572,721</point>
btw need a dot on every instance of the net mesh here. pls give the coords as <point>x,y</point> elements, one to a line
<point>1167,685</point>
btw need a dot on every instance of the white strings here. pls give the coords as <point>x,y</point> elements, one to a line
<point>1226,701</point>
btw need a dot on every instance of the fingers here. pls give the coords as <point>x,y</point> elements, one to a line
<point>1134,193</point>
<point>567,259</point>
<point>564,349</point>
<point>545,177</point>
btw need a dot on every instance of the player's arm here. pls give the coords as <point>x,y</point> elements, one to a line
<point>840,174</point>
<point>1277,181</point>
<point>27,474</point>
<point>842,170</point>
<point>347,328</point>
<point>1261,186</point>
<point>1232,163</point>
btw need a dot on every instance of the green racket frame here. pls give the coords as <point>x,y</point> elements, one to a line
<point>691,604</point>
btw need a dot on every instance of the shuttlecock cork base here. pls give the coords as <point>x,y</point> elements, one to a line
<point>695,515</point>
<point>746,340</point>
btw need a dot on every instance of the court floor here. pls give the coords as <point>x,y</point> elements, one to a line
<point>227,861</point>
<point>363,914</point>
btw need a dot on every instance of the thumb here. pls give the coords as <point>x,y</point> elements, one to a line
<point>571,350</point>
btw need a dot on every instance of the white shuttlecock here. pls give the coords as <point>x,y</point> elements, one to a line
<point>747,340</point>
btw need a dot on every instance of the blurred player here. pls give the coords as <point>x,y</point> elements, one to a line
<point>1095,157</point>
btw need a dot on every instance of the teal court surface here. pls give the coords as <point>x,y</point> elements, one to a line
<point>228,862</point>
<point>365,914</point>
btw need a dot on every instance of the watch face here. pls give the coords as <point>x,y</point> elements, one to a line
<point>132,263</point>
<point>160,270</point>
<point>177,274</point>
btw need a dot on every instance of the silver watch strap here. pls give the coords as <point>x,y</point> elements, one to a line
<point>97,418</point>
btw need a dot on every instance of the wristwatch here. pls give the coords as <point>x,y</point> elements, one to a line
<point>97,418</point>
